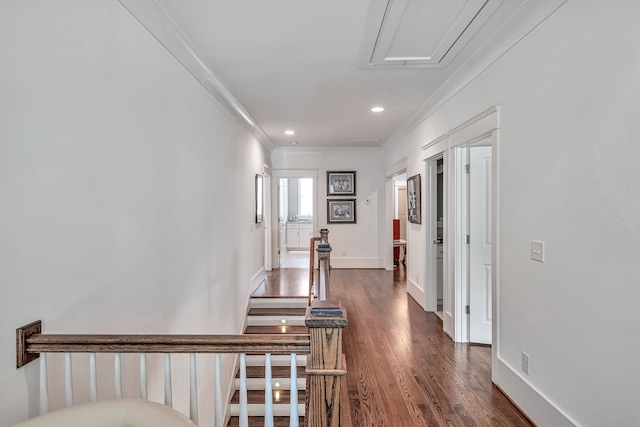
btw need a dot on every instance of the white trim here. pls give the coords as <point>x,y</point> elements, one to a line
<point>397,167</point>
<point>430,218</point>
<point>476,128</point>
<point>357,262</point>
<point>416,292</point>
<point>155,19</point>
<point>436,142</point>
<point>523,22</point>
<point>294,173</point>
<point>529,398</point>
<point>482,125</point>
<point>257,280</point>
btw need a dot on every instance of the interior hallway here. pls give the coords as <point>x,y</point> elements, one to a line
<point>403,370</point>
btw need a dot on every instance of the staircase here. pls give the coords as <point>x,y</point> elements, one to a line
<point>272,315</point>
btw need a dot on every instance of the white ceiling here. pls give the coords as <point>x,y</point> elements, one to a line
<point>318,67</point>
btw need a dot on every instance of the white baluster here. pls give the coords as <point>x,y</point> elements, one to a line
<point>68,381</point>
<point>244,414</point>
<point>44,393</point>
<point>117,376</point>
<point>293,401</point>
<point>168,396</point>
<point>218,397</point>
<point>193,396</point>
<point>93,378</point>
<point>268,392</point>
<point>143,376</point>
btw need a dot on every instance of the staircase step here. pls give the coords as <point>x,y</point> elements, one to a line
<point>259,421</point>
<point>276,360</point>
<point>276,372</point>
<point>276,316</point>
<point>275,320</point>
<point>279,302</point>
<point>278,311</point>
<point>277,383</point>
<point>277,330</point>
<point>257,409</point>
<point>257,396</point>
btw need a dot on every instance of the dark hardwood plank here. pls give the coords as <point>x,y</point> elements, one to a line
<point>280,329</point>
<point>402,369</point>
<point>285,282</point>
<point>277,311</point>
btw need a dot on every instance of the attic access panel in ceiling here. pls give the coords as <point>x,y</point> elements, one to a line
<point>421,33</point>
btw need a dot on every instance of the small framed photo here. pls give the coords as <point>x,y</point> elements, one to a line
<point>341,211</point>
<point>259,199</point>
<point>414,208</point>
<point>341,183</point>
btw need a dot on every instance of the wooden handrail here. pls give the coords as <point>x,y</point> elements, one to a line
<point>29,345</point>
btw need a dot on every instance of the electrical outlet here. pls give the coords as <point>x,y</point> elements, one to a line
<point>344,252</point>
<point>417,279</point>
<point>537,250</point>
<point>525,363</point>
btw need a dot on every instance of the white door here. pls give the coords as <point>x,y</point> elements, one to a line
<point>480,245</point>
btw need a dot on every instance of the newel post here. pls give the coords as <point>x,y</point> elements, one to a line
<point>324,236</point>
<point>326,365</point>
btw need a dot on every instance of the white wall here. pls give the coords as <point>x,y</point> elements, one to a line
<point>126,190</point>
<point>357,245</point>
<point>568,149</point>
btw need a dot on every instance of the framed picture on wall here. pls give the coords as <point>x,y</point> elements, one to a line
<point>341,183</point>
<point>414,208</point>
<point>259,199</point>
<point>341,211</point>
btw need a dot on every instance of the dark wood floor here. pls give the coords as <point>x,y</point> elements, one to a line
<point>402,369</point>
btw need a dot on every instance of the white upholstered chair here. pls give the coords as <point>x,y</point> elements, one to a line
<point>112,413</point>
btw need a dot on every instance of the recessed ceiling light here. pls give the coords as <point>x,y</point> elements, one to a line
<point>289,132</point>
<point>377,109</point>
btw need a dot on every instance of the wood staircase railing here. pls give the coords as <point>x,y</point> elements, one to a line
<point>323,346</point>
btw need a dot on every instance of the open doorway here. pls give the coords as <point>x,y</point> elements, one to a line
<point>399,220</point>
<point>296,221</point>
<point>435,220</point>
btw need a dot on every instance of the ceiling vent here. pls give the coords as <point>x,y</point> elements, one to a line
<point>364,142</point>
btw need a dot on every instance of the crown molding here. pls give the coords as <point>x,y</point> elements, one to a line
<point>523,21</point>
<point>155,19</point>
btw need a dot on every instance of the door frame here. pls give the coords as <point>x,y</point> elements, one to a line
<point>482,126</point>
<point>267,223</point>
<point>276,174</point>
<point>431,184</point>
<point>397,168</point>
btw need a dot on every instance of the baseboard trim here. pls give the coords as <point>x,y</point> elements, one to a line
<point>417,293</point>
<point>528,399</point>
<point>356,262</point>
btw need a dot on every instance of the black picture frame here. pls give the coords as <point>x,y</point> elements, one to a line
<point>414,205</point>
<point>341,211</point>
<point>341,183</point>
<point>259,199</point>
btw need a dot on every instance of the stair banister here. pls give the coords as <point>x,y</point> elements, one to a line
<point>326,364</point>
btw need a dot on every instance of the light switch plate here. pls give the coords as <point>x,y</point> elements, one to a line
<point>537,250</point>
